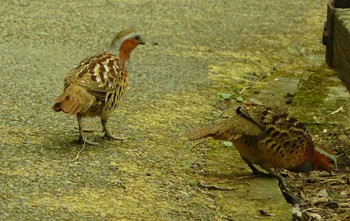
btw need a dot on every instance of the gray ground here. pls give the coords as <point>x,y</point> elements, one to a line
<point>194,50</point>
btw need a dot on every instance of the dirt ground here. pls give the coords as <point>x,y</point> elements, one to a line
<point>194,51</point>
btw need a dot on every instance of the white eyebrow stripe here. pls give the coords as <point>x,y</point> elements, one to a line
<point>325,153</point>
<point>118,43</point>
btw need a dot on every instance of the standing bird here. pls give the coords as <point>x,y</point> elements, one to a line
<point>96,86</point>
<point>270,139</point>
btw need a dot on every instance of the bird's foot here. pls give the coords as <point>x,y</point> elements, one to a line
<point>284,185</point>
<point>86,130</point>
<point>84,141</point>
<point>109,136</point>
<point>89,131</point>
<point>292,199</point>
<point>261,174</point>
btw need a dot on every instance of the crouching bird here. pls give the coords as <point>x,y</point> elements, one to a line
<point>270,139</point>
<point>96,86</point>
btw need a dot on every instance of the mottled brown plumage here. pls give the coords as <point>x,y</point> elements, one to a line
<point>270,139</point>
<point>96,86</point>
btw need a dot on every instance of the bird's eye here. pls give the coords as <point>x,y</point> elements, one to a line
<point>137,37</point>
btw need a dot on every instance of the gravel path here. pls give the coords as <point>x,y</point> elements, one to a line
<point>194,50</point>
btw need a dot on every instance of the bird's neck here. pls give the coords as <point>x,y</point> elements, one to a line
<point>125,50</point>
<point>124,54</point>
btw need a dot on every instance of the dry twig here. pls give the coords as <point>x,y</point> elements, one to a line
<point>78,154</point>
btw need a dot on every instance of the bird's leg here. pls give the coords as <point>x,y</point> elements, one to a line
<point>107,134</point>
<point>290,197</point>
<point>281,181</point>
<point>255,171</point>
<point>82,139</point>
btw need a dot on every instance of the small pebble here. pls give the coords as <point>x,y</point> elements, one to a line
<point>322,193</point>
<point>332,205</point>
<point>310,216</point>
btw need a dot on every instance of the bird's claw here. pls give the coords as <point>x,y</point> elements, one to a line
<point>108,136</point>
<point>292,199</point>
<point>84,141</point>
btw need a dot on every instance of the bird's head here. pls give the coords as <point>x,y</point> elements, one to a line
<point>126,41</point>
<point>324,159</point>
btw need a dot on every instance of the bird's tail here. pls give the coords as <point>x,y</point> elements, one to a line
<point>74,99</point>
<point>203,132</point>
<point>229,129</point>
<point>216,130</point>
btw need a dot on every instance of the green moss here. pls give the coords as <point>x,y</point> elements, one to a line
<point>320,93</point>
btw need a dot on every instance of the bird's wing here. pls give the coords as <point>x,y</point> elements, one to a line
<point>99,74</point>
<point>251,120</point>
<point>287,148</point>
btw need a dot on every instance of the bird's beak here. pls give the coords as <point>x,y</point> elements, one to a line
<point>141,42</point>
